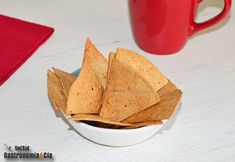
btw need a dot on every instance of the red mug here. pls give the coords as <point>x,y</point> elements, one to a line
<point>163,26</point>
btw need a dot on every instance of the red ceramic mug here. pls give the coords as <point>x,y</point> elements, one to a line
<point>163,26</point>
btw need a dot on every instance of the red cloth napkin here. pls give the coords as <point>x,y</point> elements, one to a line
<point>18,41</point>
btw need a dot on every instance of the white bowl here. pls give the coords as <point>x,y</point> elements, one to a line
<point>115,137</point>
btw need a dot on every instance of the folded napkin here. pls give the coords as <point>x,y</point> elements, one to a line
<point>18,41</point>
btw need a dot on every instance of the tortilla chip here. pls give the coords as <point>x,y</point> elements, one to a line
<point>66,80</point>
<point>86,93</point>
<point>89,117</point>
<point>168,88</point>
<point>126,93</point>
<point>146,69</point>
<point>96,61</point>
<point>146,123</point>
<point>56,91</point>
<point>161,111</point>
<point>111,56</point>
<point>53,103</point>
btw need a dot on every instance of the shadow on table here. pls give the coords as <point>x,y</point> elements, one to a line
<point>60,115</point>
<point>169,124</point>
<point>217,4</point>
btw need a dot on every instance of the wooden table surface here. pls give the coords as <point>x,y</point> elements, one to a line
<point>203,129</point>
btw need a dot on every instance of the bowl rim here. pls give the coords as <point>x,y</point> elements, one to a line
<point>111,130</point>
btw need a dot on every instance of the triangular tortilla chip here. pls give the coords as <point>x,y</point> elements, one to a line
<point>126,93</point>
<point>146,69</point>
<point>66,80</point>
<point>88,117</point>
<point>53,103</point>
<point>96,60</point>
<point>168,88</point>
<point>85,93</point>
<point>56,91</point>
<point>161,111</point>
<point>111,56</point>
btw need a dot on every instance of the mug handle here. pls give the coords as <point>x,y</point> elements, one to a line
<point>195,27</point>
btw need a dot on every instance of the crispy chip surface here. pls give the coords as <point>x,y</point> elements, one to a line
<point>56,91</point>
<point>96,61</point>
<point>146,69</point>
<point>161,111</point>
<point>126,93</point>
<point>66,80</point>
<point>86,93</point>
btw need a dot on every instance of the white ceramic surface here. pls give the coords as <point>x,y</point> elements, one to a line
<point>115,137</point>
